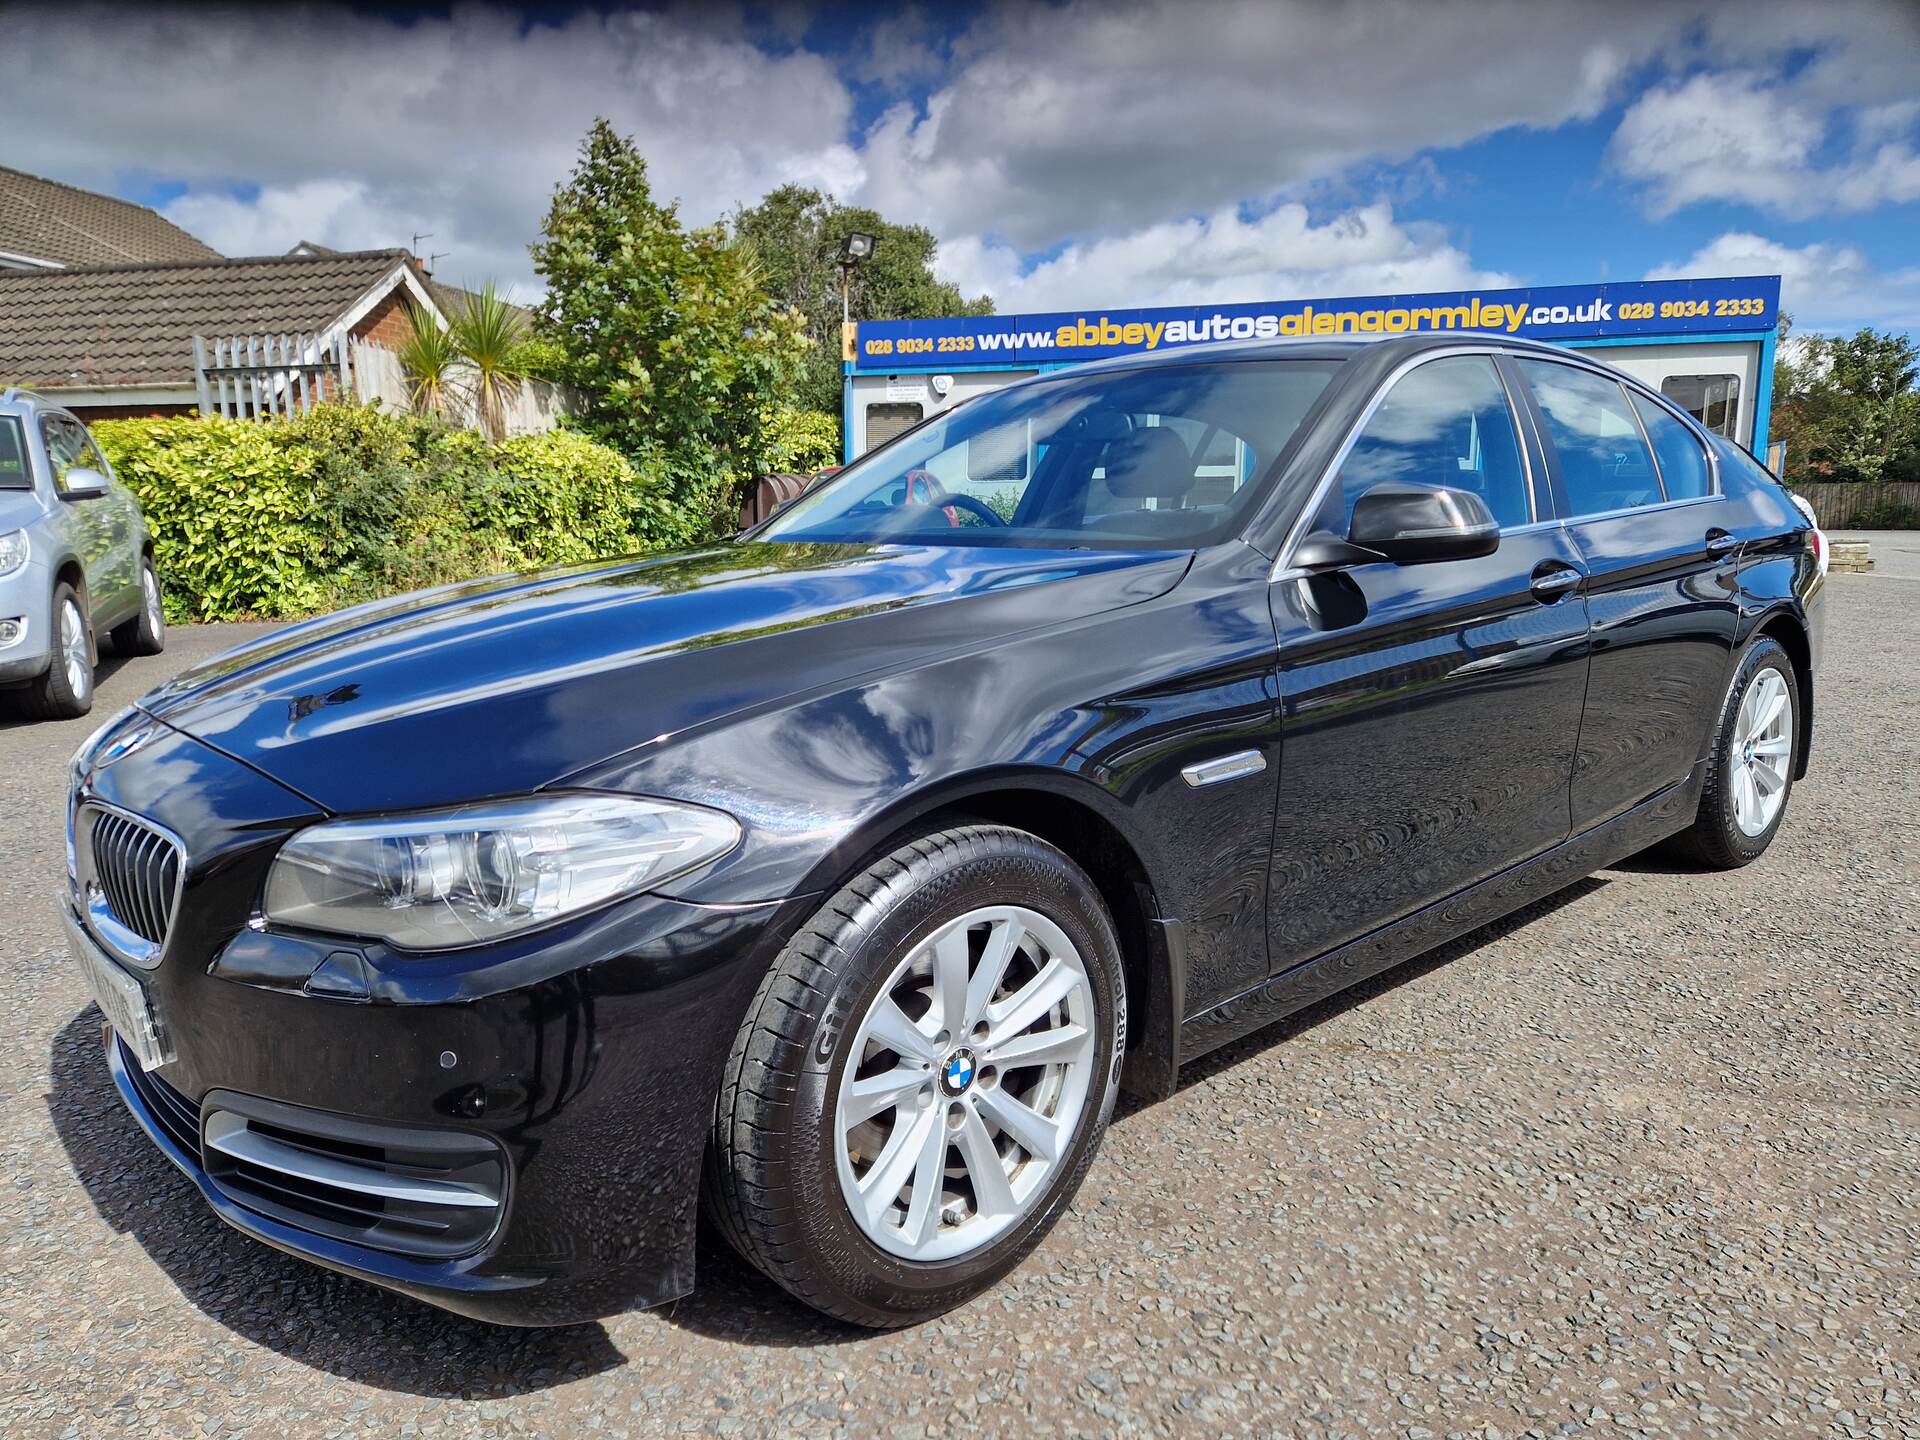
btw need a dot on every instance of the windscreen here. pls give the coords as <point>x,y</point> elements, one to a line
<point>1167,458</point>
<point>14,474</point>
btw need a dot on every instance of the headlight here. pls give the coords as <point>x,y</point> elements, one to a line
<point>14,550</point>
<point>447,878</point>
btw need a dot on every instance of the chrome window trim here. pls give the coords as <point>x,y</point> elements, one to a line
<point>117,939</point>
<point>1642,509</point>
<point>1282,570</point>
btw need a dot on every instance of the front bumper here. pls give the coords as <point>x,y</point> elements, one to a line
<point>27,596</point>
<point>588,1055</point>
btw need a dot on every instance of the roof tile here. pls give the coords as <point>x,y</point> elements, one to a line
<point>45,220</point>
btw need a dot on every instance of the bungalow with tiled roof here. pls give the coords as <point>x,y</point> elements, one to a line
<point>45,225</point>
<point>112,340</point>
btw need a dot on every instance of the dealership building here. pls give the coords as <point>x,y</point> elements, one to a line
<point>1705,344</point>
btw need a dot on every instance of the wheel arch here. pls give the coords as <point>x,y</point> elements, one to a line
<point>1078,818</point>
<point>1789,631</point>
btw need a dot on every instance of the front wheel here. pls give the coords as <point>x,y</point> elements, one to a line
<point>923,1078</point>
<point>1751,768</point>
<point>65,691</point>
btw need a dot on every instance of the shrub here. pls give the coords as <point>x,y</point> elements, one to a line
<point>348,503</point>
<point>232,514</point>
<point>801,441</point>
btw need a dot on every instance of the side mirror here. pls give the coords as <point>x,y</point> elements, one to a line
<point>1421,524</point>
<point>82,482</point>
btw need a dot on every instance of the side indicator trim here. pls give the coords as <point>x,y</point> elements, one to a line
<point>1226,767</point>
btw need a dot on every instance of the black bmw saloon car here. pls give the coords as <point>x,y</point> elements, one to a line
<point>831,880</point>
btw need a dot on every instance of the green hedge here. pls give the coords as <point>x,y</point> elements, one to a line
<point>296,517</point>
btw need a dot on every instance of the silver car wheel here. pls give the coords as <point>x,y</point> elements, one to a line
<point>1762,752</point>
<point>75,653</point>
<point>966,1084</point>
<point>150,592</point>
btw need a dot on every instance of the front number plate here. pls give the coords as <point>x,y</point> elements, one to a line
<point>121,998</point>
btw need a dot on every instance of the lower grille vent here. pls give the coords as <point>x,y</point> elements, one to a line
<point>432,1194</point>
<point>175,1114</point>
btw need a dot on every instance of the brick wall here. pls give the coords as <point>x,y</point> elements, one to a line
<point>386,324</point>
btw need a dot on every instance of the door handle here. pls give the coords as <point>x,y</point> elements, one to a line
<point>1551,580</point>
<point>1719,542</point>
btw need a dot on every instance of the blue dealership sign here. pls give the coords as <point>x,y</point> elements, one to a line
<point>1650,308</point>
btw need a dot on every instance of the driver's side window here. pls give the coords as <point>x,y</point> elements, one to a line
<point>1446,423</point>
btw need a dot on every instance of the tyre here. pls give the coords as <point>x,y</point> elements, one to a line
<point>65,691</point>
<point>921,1082</point>
<point>1750,775</point>
<point>146,633</point>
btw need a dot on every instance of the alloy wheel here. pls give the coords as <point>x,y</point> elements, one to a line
<point>150,592</point>
<point>1762,747</point>
<point>75,654</point>
<point>966,1084</point>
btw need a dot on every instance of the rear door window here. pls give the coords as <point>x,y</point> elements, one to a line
<point>1683,464</point>
<point>1604,461</point>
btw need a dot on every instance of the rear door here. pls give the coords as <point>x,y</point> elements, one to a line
<point>1642,507</point>
<point>1429,711</point>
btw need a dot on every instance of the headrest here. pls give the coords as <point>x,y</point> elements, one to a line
<point>1089,425</point>
<point>1149,463</point>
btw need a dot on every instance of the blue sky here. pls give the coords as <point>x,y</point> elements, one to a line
<point>1067,154</point>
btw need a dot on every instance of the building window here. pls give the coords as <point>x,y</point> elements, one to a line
<point>886,421</point>
<point>1713,400</point>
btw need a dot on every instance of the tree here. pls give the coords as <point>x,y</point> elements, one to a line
<point>676,354</point>
<point>489,334</point>
<point>430,358</point>
<point>794,236</point>
<point>1847,407</point>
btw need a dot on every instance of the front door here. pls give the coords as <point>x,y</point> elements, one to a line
<point>1429,712</point>
<point>1662,592</point>
<point>101,525</point>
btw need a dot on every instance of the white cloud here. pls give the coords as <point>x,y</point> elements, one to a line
<point>1222,259</point>
<point>1824,286</point>
<point>1835,132</point>
<point>1076,120</point>
<point>1717,137</point>
<point>367,129</point>
<point>1122,140</point>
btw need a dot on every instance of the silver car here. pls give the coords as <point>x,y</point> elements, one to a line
<point>76,561</point>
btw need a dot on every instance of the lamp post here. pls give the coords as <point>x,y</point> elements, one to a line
<point>856,247</point>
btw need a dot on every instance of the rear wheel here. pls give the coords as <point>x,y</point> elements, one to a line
<point>146,633</point>
<point>923,1078</point>
<point>1751,770</point>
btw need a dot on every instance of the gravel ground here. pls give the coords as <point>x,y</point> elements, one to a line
<point>1644,1159</point>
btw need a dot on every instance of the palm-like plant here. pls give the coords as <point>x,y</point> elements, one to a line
<point>488,332</point>
<point>430,356</point>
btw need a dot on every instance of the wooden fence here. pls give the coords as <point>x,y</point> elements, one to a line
<point>259,377</point>
<point>1837,502</point>
<point>253,377</point>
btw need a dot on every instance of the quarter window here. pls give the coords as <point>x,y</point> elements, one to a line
<point>1446,423</point>
<point>1683,464</point>
<point>1604,461</point>
<point>1713,400</point>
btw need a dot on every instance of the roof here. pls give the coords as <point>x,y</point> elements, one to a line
<point>134,324</point>
<point>45,220</point>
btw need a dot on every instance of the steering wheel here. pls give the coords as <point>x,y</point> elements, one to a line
<point>972,506</point>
